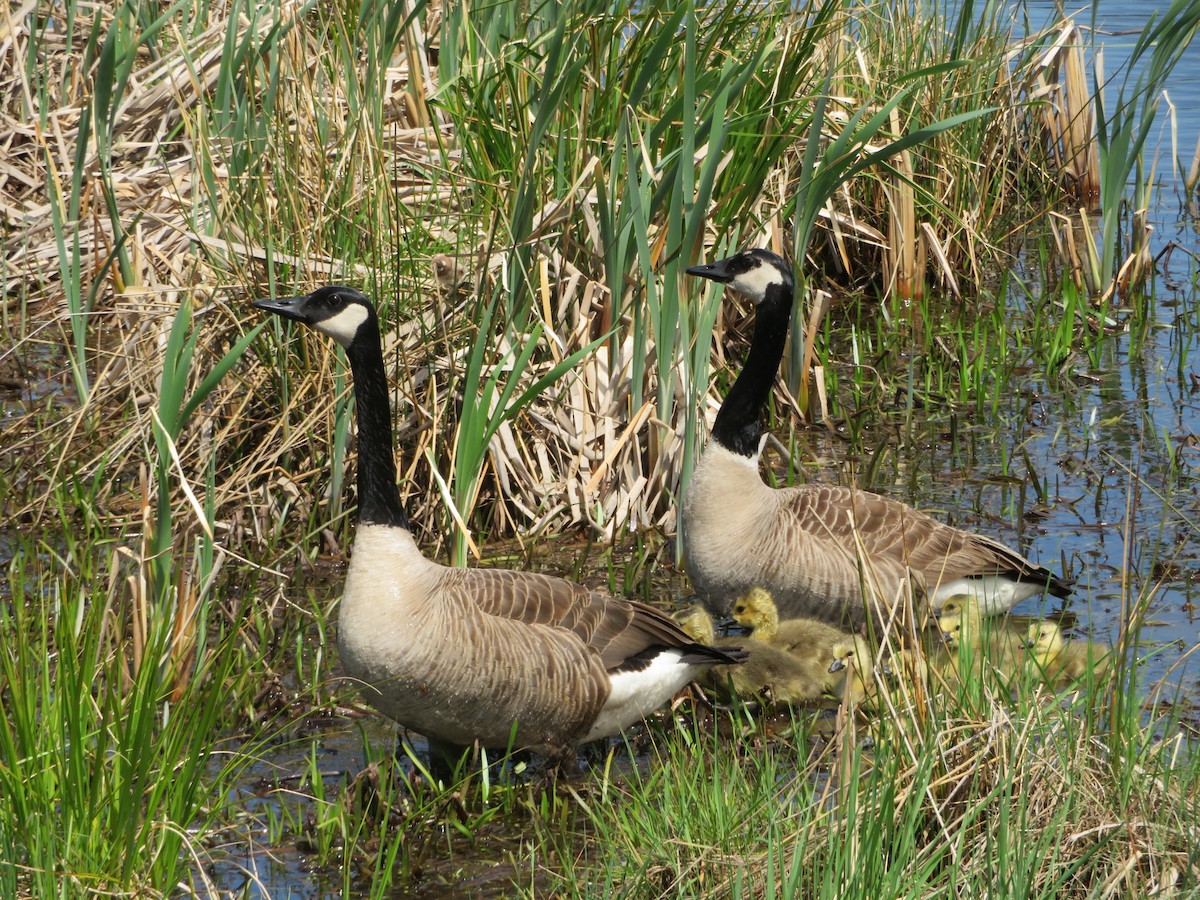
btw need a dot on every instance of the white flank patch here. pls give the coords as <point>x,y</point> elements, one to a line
<point>755,282</point>
<point>994,593</point>
<point>344,326</point>
<point>634,695</point>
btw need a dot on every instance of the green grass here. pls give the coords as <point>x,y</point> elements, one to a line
<point>969,797</point>
<point>570,160</point>
<point>104,761</point>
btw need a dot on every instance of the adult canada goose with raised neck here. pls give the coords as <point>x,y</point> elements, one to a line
<point>815,547</point>
<point>461,655</point>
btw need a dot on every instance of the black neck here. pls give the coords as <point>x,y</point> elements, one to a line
<point>739,421</point>
<point>378,496</point>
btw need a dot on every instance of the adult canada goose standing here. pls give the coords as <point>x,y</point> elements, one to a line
<point>815,546</point>
<point>465,655</point>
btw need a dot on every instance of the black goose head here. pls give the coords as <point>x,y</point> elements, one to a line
<point>349,318</point>
<point>340,312</point>
<point>751,272</point>
<point>766,279</point>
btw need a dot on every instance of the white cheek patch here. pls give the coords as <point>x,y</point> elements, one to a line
<point>344,326</point>
<point>755,282</point>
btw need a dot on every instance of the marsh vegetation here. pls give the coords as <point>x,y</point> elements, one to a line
<point>992,329</point>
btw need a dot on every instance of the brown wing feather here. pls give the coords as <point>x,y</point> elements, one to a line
<point>618,630</point>
<point>895,532</point>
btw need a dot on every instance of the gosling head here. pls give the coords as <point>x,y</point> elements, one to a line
<point>751,272</point>
<point>954,630</point>
<point>337,311</point>
<point>852,653</point>
<point>961,605</point>
<point>1044,638</point>
<point>756,609</point>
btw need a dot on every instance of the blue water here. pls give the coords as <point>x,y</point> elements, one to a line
<point>1120,449</point>
<point>1112,441</point>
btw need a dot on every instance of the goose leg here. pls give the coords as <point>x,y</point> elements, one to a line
<point>445,760</point>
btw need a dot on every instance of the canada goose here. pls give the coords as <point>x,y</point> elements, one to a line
<point>958,605</point>
<point>697,624</point>
<point>1060,661</point>
<point>766,671</point>
<point>855,656</point>
<point>963,613</point>
<point>960,629</point>
<point>756,610</point>
<point>465,656</point>
<point>815,546</point>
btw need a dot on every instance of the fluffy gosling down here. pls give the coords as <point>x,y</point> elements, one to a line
<point>969,606</point>
<point>854,663</point>
<point>756,610</point>
<point>989,646</point>
<point>466,656</point>
<point>808,641</point>
<point>814,545</point>
<point>767,671</point>
<point>858,662</point>
<point>1061,661</point>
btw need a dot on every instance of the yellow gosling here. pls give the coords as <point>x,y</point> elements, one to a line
<point>901,672</point>
<point>697,624</point>
<point>854,663</point>
<point>967,606</point>
<point>957,605</point>
<point>970,641</point>
<point>1060,661</point>
<point>805,638</point>
<point>767,672</point>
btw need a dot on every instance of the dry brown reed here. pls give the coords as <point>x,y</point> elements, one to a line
<point>579,455</point>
